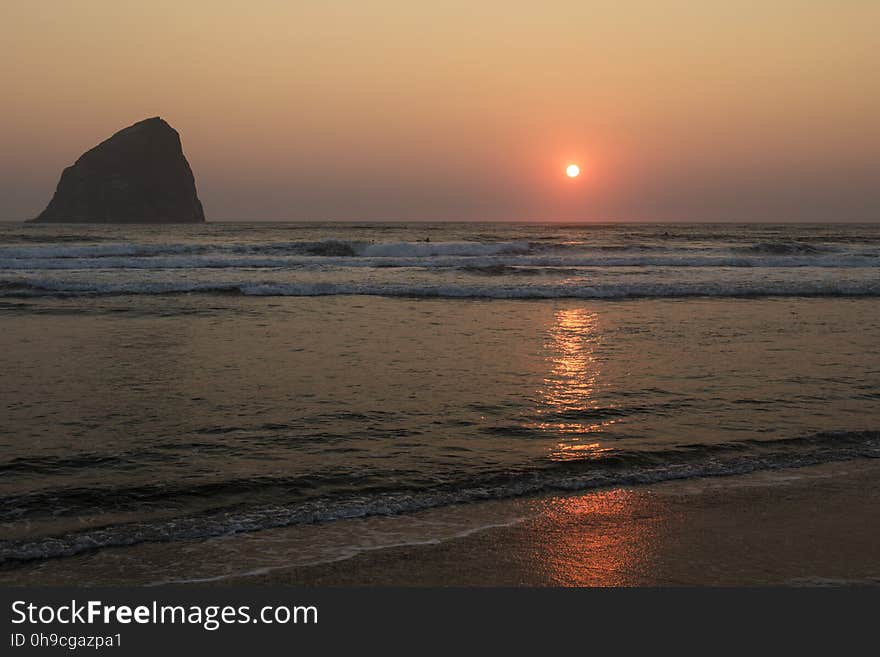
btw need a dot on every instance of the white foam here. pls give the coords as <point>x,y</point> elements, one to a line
<point>339,551</point>
<point>190,258</point>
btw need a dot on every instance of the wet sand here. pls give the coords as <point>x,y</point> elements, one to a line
<point>809,526</point>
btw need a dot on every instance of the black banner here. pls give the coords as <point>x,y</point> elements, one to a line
<point>406,621</point>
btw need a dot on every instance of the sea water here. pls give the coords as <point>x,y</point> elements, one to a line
<point>166,384</point>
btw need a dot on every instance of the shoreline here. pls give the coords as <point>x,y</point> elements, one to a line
<point>808,526</point>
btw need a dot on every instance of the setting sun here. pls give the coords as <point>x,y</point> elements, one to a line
<point>572,171</point>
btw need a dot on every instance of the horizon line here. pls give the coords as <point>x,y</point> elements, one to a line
<point>456,221</point>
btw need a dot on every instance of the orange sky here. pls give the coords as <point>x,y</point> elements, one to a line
<point>396,110</point>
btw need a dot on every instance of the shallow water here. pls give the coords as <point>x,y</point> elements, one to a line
<point>134,418</point>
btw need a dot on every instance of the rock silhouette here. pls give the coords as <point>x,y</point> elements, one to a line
<point>138,175</point>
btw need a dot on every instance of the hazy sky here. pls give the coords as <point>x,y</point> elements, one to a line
<point>401,110</point>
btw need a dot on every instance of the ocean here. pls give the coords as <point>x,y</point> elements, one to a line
<point>178,385</point>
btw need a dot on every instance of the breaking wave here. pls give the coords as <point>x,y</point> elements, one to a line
<point>329,248</point>
<point>616,468</point>
<point>785,248</point>
<point>332,247</point>
<point>477,264</point>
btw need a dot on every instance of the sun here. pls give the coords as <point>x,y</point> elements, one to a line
<point>572,171</point>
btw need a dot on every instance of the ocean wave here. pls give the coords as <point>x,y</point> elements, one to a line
<point>432,249</point>
<point>785,248</point>
<point>330,248</point>
<point>335,256</point>
<point>578,289</point>
<point>55,251</point>
<point>499,269</point>
<point>615,469</point>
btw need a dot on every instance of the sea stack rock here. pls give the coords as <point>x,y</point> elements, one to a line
<point>139,175</point>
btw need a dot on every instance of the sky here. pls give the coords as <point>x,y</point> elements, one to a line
<point>400,110</point>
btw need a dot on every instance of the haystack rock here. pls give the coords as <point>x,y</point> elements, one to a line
<point>139,175</point>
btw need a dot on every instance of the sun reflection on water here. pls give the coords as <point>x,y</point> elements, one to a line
<point>568,405</point>
<point>604,538</point>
